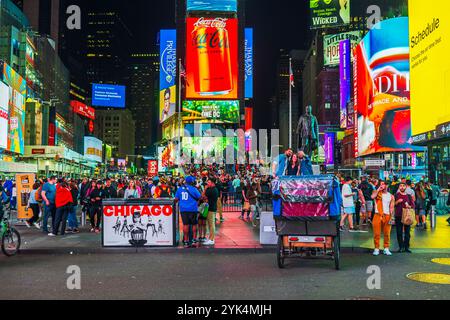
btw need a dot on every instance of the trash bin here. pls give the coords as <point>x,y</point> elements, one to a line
<point>267,232</point>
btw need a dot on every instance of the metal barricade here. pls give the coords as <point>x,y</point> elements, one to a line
<point>231,202</point>
<point>441,206</point>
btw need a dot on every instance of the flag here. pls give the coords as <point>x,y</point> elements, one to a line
<point>183,74</point>
<point>291,76</point>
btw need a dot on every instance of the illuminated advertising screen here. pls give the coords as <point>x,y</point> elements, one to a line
<point>430,65</point>
<point>329,13</point>
<point>208,147</point>
<point>93,149</point>
<point>344,76</point>
<point>382,90</point>
<point>122,164</point>
<point>212,5</point>
<point>167,74</point>
<point>212,58</point>
<point>4,115</point>
<point>82,109</point>
<point>108,95</point>
<point>329,142</point>
<point>331,46</point>
<point>211,111</point>
<point>168,156</point>
<point>248,58</point>
<point>160,165</point>
<point>152,168</point>
<point>16,108</point>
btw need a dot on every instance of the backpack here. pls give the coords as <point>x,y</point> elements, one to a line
<point>38,196</point>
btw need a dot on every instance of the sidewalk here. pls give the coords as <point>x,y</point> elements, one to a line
<point>232,235</point>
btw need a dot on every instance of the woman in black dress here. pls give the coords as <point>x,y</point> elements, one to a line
<point>293,167</point>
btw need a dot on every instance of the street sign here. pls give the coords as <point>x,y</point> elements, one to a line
<point>375,163</point>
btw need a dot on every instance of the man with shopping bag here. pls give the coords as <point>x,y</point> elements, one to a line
<point>404,217</point>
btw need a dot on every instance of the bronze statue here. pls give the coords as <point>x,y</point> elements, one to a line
<point>308,132</point>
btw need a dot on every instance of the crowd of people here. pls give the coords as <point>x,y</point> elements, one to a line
<point>203,190</point>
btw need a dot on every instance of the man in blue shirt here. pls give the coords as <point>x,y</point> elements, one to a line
<point>188,198</point>
<point>280,163</point>
<point>48,197</point>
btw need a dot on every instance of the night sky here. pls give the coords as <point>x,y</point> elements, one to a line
<point>278,24</point>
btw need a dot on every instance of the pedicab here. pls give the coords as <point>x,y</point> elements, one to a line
<point>303,222</point>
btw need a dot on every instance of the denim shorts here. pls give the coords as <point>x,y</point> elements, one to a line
<point>349,210</point>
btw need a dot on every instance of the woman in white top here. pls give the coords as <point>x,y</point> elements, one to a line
<point>131,192</point>
<point>384,211</point>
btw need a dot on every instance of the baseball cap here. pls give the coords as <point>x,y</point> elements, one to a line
<point>190,180</point>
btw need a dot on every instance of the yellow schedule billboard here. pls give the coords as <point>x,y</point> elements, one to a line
<point>429,33</point>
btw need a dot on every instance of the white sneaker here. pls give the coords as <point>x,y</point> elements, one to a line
<point>27,224</point>
<point>376,252</point>
<point>209,243</point>
<point>387,252</point>
<point>37,225</point>
<point>51,235</point>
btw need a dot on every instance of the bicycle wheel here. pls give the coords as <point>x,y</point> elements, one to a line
<point>11,242</point>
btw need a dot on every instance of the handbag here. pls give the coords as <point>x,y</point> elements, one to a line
<point>408,217</point>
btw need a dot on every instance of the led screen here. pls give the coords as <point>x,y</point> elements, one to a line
<point>382,90</point>
<point>212,58</point>
<point>167,74</point>
<point>108,96</point>
<point>211,111</point>
<point>212,5</point>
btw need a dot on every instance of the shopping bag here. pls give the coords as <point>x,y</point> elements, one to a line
<point>408,217</point>
<point>246,206</point>
<point>203,210</point>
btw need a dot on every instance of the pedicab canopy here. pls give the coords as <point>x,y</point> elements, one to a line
<point>304,196</point>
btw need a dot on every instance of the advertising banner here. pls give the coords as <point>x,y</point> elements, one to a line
<point>430,65</point>
<point>212,5</point>
<point>248,58</point>
<point>108,95</point>
<point>152,168</point>
<point>382,90</point>
<point>160,162</point>
<point>168,156</point>
<point>167,74</point>
<point>82,109</point>
<point>24,184</point>
<point>138,225</point>
<point>331,46</point>
<point>122,164</point>
<point>329,142</point>
<point>93,149</point>
<point>211,111</point>
<point>16,108</point>
<point>4,115</point>
<point>344,76</point>
<point>329,13</point>
<point>213,148</point>
<point>212,58</point>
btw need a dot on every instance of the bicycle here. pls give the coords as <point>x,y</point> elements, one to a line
<point>10,236</point>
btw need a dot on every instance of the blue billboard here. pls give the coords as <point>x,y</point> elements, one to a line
<point>167,74</point>
<point>212,5</point>
<point>248,58</point>
<point>108,95</point>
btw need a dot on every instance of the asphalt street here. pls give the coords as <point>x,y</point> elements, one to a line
<point>204,276</point>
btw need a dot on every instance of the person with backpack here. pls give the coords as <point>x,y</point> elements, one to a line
<point>188,197</point>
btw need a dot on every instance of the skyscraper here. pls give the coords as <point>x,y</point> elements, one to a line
<point>143,71</point>
<point>106,39</point>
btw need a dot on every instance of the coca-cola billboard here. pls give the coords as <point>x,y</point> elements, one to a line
<point>212,58</point>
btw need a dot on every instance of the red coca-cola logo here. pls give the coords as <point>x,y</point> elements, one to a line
<point>126,211</point>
